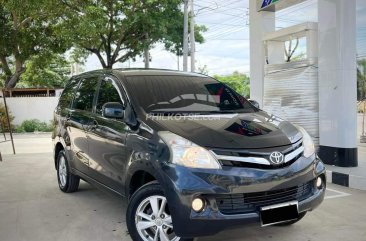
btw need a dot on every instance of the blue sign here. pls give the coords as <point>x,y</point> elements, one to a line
<point>266,3</point>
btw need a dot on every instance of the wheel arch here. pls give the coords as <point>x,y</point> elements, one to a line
<point>138,179</point>
<point>58,147</point>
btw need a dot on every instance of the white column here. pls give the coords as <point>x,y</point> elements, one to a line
<point>337,82</point>
<point>260,24</point>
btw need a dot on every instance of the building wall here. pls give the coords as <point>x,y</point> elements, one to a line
<point>26,108</point>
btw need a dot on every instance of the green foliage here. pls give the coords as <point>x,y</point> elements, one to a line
<point>173,41</point>
<point>116,31</point>
<point>46,71</point>
<point>27,29</point>
<point>361,79</point>
<point>34,125</point>
<point>238,81</point>
<point>112,30</point>
<point>3,120</point>
<point>34,32</point>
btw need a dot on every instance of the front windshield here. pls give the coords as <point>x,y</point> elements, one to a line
<point>185,95</point>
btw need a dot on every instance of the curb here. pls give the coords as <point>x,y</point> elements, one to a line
<point>351,181</point>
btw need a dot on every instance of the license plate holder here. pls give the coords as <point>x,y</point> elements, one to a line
<point>279,213</point>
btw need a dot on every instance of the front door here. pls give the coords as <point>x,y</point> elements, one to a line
<point>78,121</point>
<point>107,139</point>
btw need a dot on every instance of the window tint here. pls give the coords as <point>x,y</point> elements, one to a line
<point>68,93</point>
<point>108,92</point>
<point>185,94</point>
<point>85,94</point>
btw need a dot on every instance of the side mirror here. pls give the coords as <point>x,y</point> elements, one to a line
<point>254,103</point>
<point>113,110</point>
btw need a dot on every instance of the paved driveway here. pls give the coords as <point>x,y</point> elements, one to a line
<point>32,208</point>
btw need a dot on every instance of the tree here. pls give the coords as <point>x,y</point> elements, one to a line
<point>52,70</point>
<point>27,28</point>
<point>174,41</point>
<point>238,81</point>
<point>116,31</point>
<point>361,79</point>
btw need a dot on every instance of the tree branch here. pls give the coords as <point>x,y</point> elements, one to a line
<point>15,20</point>
<point>25,22</point>
<point>123,58</point>
<point>73,7</point>
<point>100,57</point>
<point>118,46</point>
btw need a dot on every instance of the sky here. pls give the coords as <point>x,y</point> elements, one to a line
<point>226,46</point>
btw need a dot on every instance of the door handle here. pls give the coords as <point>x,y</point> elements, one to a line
<point>93,126</point>
<point>67,120</point>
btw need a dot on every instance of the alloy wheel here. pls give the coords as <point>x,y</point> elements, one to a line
<point>62,171</point>
<point>153,220</point>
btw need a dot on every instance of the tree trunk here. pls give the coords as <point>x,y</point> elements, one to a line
<point>12,80</point>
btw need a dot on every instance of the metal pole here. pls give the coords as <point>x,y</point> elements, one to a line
<point>8,121</point>
<point>178,61</point>
<point>192,40</point>
<point>185,37</point>
<point>363,117</point>
<point>147,57</point>
<point>146,53</point>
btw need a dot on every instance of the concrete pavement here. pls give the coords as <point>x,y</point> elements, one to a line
<point>27,143</point>
<point>33,209</point>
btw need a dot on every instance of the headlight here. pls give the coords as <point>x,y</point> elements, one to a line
<point>188,154</point>
<point>309,148</point>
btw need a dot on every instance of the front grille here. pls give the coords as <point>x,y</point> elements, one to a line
<point>252,202</point>
<point>244,158</point>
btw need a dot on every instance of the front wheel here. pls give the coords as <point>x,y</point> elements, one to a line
<point>148,217</point>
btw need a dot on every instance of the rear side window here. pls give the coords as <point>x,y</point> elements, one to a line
<point>108,92</point>
<point>85,94</point>
<point>68,93</point>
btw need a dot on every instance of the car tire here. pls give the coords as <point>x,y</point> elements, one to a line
<point>152,220</point>
<point>301,215</point>
<point>67,181</point>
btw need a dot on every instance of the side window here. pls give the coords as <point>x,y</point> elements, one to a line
<point>85,94</point>
<point>68,93</point>
<point>108,92</point>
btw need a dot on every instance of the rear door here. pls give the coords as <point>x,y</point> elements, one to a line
<point>79,120</point>
<point>107,139</point>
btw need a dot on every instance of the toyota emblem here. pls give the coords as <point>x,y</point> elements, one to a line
<point>276,158</point>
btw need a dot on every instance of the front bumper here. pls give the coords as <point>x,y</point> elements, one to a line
<point>182,185</point>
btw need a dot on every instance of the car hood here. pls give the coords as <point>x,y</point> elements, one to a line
<point>247,130</point>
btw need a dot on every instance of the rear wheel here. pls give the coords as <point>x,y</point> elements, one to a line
<point>67,181</point>
<point>301,215</point>
<point>148,216</point>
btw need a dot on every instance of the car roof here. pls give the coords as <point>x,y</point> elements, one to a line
<point>142,72</point>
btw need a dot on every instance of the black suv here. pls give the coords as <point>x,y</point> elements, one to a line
<point>191,156</point>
